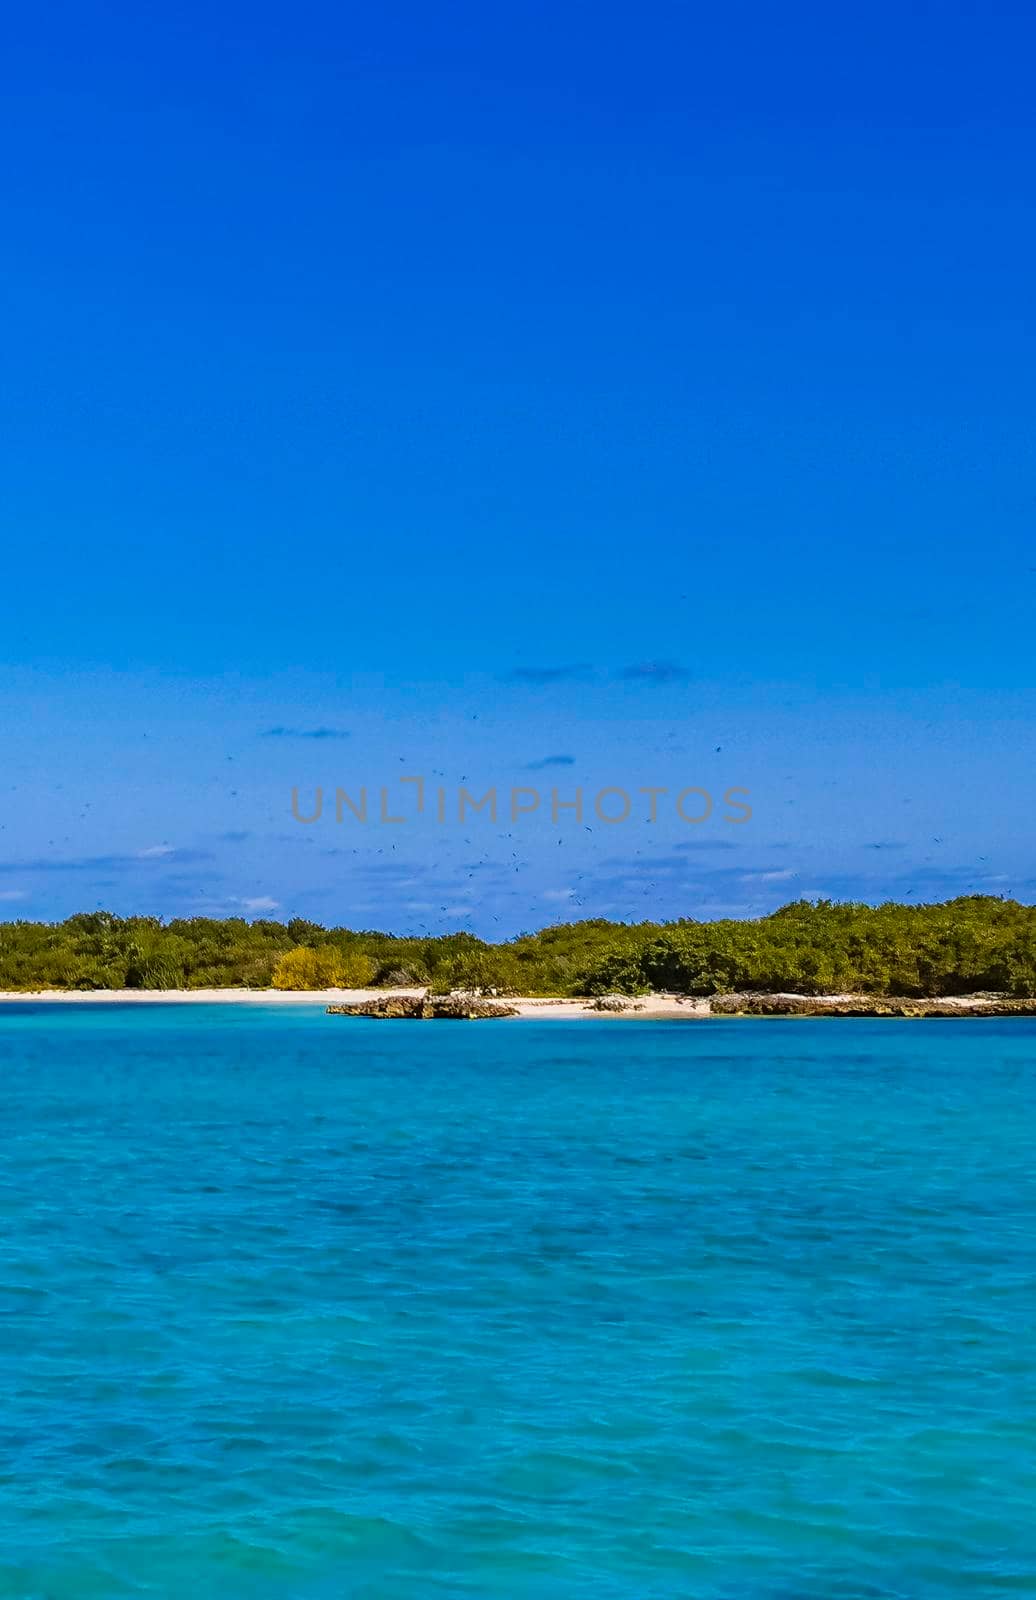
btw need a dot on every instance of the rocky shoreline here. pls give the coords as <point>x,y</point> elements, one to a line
<point>796,1005</point>
<point>470,1007</point>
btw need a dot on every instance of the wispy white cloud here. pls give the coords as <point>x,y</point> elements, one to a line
<point>165,854</point>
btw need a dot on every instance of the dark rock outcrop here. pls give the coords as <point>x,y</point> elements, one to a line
<point>459,1007</point>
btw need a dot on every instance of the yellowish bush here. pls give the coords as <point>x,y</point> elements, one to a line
<point>322,968</point>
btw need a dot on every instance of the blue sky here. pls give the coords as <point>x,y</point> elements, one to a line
<point>480,387</point>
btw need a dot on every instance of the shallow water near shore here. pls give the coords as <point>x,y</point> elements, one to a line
<point>298,1307</point>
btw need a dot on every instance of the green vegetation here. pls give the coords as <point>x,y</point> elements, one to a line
<point>962,946</point>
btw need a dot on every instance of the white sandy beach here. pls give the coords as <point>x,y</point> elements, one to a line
<point>644,1006</point>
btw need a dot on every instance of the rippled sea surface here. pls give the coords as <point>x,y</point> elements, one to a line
<point>299,1306</point>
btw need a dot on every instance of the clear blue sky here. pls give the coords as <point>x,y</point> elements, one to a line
<point>649,387</point>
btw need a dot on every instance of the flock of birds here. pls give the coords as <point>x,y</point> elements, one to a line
<point>491,868</point>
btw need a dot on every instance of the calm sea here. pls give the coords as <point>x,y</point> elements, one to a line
<point>298,1306</point>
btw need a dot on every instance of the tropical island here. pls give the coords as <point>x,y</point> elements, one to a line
<point>809,956</point>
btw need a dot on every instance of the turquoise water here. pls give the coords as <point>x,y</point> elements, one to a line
<point>294,1306</point>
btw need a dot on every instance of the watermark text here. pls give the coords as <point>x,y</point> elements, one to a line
<point>384,804</point>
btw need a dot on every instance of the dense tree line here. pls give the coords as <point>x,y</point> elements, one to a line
<point>961,946</point>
